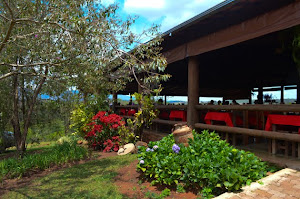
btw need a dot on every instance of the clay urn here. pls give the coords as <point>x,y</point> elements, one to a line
<point>182,133</point>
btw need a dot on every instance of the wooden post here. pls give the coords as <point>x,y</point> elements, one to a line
<point>260,96</point>
<point>298,93</point>
<point>165,100</point>
<point>282,94</point>
<point>246,125</point>
<point>115,101</point>
<point>274,149</point>
<point>298,150</point>
<point>193,91</point>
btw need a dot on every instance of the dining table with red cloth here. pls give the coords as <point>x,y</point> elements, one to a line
<point>292,120</point>
<point>131,112</point>
<point>177,114</point>
<point>218,116</point>
<point>122,111</point>
<point>163,115</point>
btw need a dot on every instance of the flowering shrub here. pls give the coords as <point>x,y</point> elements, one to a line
<point>208,164</point>
<point>112,144</point>
<point>102,131</point>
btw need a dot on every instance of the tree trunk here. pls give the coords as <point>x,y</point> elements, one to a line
<point>20,137</point>
<point>15,119</point>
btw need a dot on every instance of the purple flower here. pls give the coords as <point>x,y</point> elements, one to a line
<point>175,148</point>
<point>35,36</point>
<point>152,150</point>
<point>148,149</point>
<point>155,147</point>
<point>142,161</point>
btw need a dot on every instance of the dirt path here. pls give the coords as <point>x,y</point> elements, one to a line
<point>130,184</point>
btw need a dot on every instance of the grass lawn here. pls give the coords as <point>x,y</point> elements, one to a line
<point>30,148</point>
<point>90,180</point>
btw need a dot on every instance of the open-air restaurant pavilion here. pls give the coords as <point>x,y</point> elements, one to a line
<point>230,51</point>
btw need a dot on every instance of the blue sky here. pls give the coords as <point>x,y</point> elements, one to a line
<point>168,14</point>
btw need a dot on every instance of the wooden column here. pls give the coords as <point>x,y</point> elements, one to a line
<point>298,93</point>
<point>250,98</point>
<point>165,100</point>
<point>193,91</point>
<point>260,96</point>
<point>282,94</point>
<point>115,101</point>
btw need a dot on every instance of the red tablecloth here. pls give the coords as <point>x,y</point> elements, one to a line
<point>293,120</point>
<point>163,115</point>
<point>178,115</point>
<point>218,116</point>
<point>122,111</point>
<point>131,112</point>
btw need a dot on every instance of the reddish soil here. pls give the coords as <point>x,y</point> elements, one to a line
<point>9,184</point>
<point>129,184</point>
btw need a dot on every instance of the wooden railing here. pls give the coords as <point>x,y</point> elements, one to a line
<point>273,136</point>
<point>256,107</point>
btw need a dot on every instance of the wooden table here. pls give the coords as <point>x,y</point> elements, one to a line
<point>218,116</point>
<point>291,120</point>
<point>177,114</point>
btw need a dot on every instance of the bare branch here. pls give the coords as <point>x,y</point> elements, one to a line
<point>9,9</point>
<point>7,75</point>
<point>12,23</point>
<point>32,65</point>
<point>4,17</point>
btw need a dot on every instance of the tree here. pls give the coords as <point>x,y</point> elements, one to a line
<point>50,46</point>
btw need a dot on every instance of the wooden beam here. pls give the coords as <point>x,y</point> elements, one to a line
<point>158,121</point>
<point>251,132</point>
<point>257,26</point>
<point>168,107</point>
<point>193,91</point>
<point>290,87</point>
<point>252,107</point>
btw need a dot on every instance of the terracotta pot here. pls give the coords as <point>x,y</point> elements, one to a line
<point>182,135</point>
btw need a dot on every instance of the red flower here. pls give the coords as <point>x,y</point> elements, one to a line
<point>99,115</point>
<point>98,128</point>
<point>114,126</point>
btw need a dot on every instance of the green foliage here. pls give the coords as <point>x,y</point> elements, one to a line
<point>145,115</point>
<point>80,117</point>
<point>208,164</point>
<point>48,47</point>
<point>46,131</point>
<point>71,139</point>
<point>165,193</point>
<point>126,134</point>
<point>57,155</point>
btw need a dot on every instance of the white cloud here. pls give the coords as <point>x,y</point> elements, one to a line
<point>107,2</point>
<point>171,12</point>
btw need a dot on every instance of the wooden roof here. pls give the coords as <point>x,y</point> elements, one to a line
<point>233,70</point>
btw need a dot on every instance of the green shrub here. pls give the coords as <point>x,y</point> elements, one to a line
<point>209,164</point>
<point>72,139</point>
<point>57,155</point>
